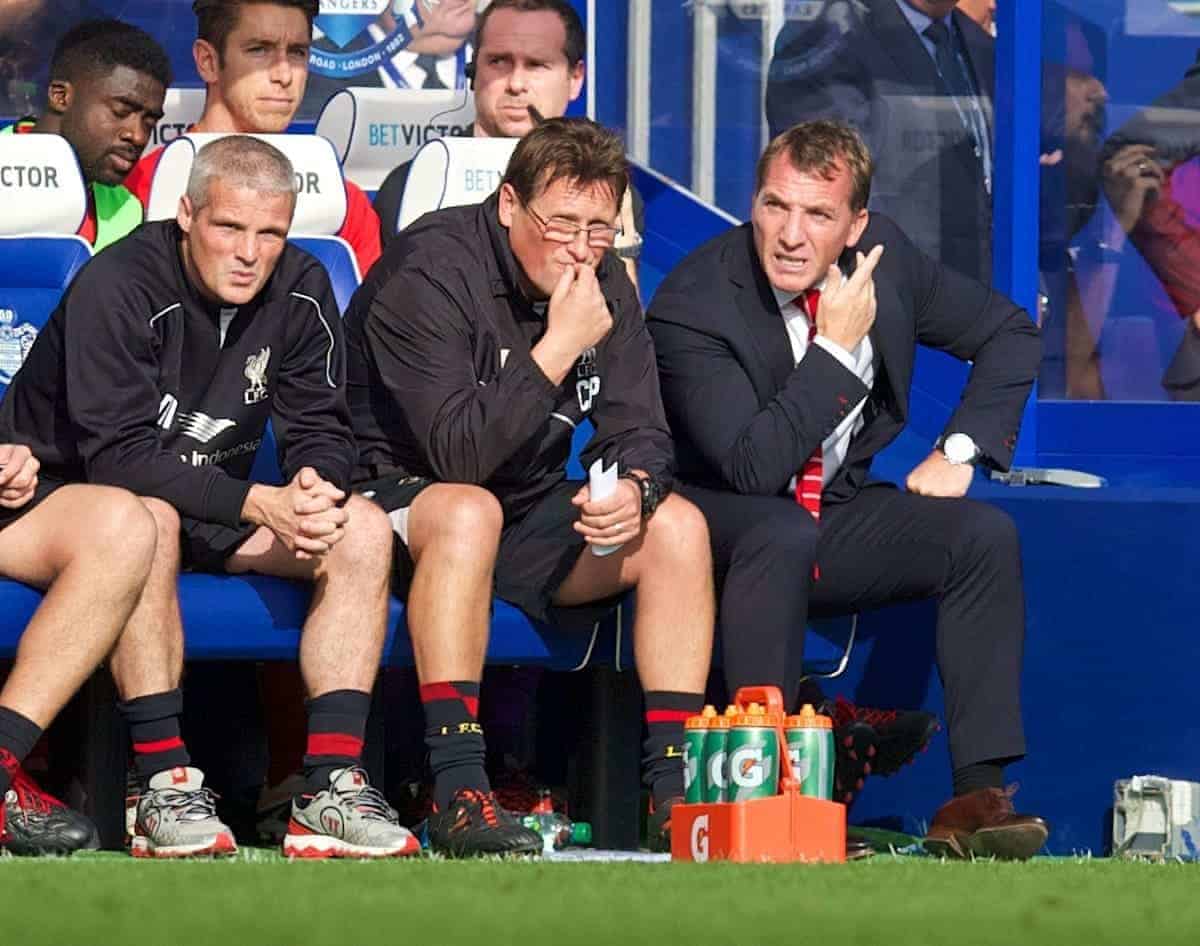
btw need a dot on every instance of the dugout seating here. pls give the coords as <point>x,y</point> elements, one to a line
<point>375,130</point>
<point>182,108</point>
<point>231,617</point>
<point>45,201</point>
<point>320,201</point>
<point>452,172</point>
<point>258,618</point>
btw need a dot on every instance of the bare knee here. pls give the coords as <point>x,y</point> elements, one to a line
<point>166,522</point>
<point>125,531</point>
<point>465,516</point>
<point>678,532</point>
<point>366,548</point>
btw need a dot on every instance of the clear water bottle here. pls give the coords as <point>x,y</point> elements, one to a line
<point>556,829</point>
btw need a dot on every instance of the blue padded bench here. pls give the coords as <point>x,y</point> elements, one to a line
<point>252,617</point>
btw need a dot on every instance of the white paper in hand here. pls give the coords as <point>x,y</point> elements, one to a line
<point>602,483</point>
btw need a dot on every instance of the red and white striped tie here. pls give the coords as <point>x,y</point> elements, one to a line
<point>811,480</point>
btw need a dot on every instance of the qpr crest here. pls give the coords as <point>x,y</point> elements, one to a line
<point>15,343</point>
<point>346,46</point>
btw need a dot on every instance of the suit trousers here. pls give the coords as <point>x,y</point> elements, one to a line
<point>881,547</point>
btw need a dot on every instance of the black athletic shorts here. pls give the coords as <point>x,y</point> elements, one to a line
<point>207,545</point>
<point>45,486</point>
<point>537,551</point>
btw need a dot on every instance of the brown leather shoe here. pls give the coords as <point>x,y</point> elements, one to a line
<point>984,824</point>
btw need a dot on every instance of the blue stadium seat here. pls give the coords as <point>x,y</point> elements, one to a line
<point>34,271</point>
<point>337,257</point>
<point>39,252</point>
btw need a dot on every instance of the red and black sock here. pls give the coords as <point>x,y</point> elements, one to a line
<point>336,724</point>
<point>662,763</point>
<point>454,738</point>
<point>154,730</point>
<point>18,735</point>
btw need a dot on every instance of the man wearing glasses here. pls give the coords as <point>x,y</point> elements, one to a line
<point>479,342</point>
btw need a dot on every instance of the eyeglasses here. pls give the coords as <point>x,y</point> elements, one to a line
<point>558,230</point>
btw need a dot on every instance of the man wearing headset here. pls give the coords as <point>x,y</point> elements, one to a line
<point>528,66</point>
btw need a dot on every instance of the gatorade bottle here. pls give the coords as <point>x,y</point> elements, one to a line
<point>695,739</point>
<point>713,771</point>
<point>752,760</point>
<point>810,747</point>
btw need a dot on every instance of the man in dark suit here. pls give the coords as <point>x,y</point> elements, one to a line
<point>785,359</point>
<point>915,78</point>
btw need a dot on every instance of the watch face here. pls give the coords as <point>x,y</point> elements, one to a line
<point>959,448</point>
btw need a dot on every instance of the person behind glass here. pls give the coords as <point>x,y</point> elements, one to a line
<point>28,29</point>
<point>438,49</point>
<point>915,77</point>
<point>89,548</point>
<point>1151,177</point>
<point>1074,114</point>
<point>785,351</point>
<point>169,354</point>
<point>107,84</point>
<point>482,339</point>
<point>529,65</point>
<point>252,56</point>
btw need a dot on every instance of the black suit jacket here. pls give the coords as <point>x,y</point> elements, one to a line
<point>745,417</point>
<point>863,63</point>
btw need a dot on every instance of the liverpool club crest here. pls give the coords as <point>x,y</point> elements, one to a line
<point>256,374</point>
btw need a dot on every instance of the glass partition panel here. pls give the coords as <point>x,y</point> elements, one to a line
<point>29,30</point>
<point>710,81</point>
<point>1120,200</point>
<point>387,44</point>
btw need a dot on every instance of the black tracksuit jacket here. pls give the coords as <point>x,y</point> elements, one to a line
<point>442,385</point>
<point>131,384</point>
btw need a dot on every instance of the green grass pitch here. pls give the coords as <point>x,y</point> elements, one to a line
<point>261,899</point>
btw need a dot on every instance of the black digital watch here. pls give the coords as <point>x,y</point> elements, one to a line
<point>653,492</point>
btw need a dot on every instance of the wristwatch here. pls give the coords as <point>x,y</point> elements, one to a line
<point>960,449</point>
<point>631,249</point>
<point>652,490</point>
